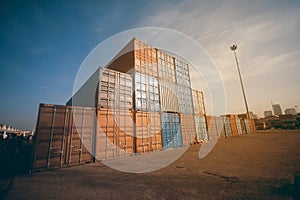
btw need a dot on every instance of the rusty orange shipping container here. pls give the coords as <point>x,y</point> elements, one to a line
<point>148,132</point>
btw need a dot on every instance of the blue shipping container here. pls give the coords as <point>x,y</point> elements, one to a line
<point>171,132</point>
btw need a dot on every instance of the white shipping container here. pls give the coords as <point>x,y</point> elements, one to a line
<point>185,99</point>
<point>182,73</point>
<point>168,96</point>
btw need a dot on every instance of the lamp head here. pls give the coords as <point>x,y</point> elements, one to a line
<point>233,47</point>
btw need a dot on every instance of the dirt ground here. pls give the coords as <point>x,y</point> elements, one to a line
<point>264,165</point>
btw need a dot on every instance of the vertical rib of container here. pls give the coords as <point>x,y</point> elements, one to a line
<point>171,131</point>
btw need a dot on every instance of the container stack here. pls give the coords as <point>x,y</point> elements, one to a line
<point>162,89</point>
<point>185,101</point>
<point>147,118</point>
<point>114,136</point>
<point>141,102</point>
<point>64,137</point>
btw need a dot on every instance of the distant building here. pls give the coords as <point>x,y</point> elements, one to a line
<point>291,111</point>
<point>268,113</point>
<point>277,109</point>
<point>252,115</point>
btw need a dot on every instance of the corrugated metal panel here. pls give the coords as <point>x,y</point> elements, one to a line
<point>220,126</point>
<point>145,59</point>
<point>211,126</point>
<point>233,126</point>
<point>201,128</point>
<point>252,127</point>
<point>148,132</point>
<point>238,125</point>
<point>171,131</point>
<point>114,134</point>
<point>64,136</point>
<point>188,128</point>
<point>247,124</point>
<point>114,90</point>
<point>185,100</point>
<point>243,126</point>
<point>146,93</point>
<point>168,96</point>
<point>198,102</point>
<point>166,68</point>
<point>182,73</point>
<point>227,126</point>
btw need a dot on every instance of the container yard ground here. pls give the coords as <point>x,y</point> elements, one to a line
<point>257,166</point>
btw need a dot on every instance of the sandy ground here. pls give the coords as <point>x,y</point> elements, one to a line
<point>257,166</point>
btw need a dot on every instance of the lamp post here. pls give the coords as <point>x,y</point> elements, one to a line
<point>233,48</point>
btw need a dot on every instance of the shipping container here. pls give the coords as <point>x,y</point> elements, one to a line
<point>105,89</point>
<point>201,127</point>
<point>211,127</point>
<point>115,134</point>
<point>198,102</point>
<point>227,126</point>
<point>238,125</point>
<point>248,126</point>
<point>215,126</point>
<point>243,126</point>
<point>114,90</point>
<point>182,73</point>
<point>185,100</point>
<point>171,131</point>
<point>252,126</point>
<point>233,127</point>
<point>188,128</point>
<point>166,68</point>
<point>136,56</point>
<point>220,126</point>
<point>148,132</point>
<point>64,136</point>
<point>168,96</point>
<point>146,93</point>
<point>145,59</point>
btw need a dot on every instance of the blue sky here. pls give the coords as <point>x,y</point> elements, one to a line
<point>42,45</point>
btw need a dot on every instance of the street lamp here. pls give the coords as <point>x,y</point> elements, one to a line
<point>233,48</point>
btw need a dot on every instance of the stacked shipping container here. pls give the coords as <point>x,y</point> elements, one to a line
<point>115,129</point>
<point>142,102</point>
